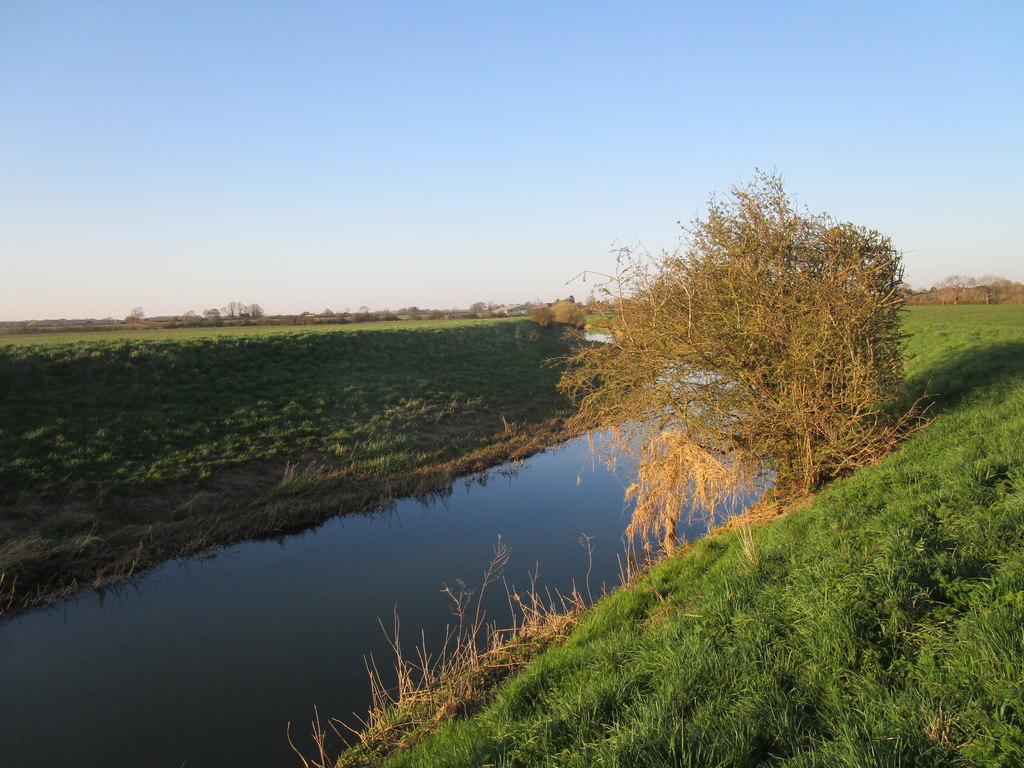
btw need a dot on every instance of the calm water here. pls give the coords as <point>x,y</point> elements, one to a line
<point>203,662</point>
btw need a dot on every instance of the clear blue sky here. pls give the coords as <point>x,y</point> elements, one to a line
<point>180,155</point>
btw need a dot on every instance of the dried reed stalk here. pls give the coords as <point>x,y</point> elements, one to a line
<point>432,688</point>
<point>676,475</point>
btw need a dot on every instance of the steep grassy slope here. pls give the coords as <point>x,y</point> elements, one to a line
<point>881,625</point>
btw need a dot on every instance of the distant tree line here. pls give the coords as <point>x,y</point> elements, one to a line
<point>961,289</point>
<point>237,313</point>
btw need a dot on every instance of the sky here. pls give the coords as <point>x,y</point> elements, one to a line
<point>180,155</point>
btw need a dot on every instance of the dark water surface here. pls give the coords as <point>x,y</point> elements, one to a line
<point>203,662</point>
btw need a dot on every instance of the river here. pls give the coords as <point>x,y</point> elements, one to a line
<point>204,662</point>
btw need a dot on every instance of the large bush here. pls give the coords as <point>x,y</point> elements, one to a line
<point>769,342</point>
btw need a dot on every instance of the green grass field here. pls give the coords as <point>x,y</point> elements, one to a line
<point>107,442</point>
<point>213,331</point>
<point>881,625</point>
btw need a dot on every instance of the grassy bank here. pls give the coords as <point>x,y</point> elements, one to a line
<point>120,453</point>
<point>879,625</point>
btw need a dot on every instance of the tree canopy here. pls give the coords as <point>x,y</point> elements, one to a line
<point>769,342</point>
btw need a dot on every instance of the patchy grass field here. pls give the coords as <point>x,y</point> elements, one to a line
<point>108,333</point>
<point>118,452</point>
<point>880,625</point>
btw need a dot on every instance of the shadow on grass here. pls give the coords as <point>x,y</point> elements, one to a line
<point>949,380</point>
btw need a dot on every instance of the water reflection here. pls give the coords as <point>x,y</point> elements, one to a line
<point>203,662</point>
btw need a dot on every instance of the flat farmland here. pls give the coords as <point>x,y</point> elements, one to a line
<point>114,333</point>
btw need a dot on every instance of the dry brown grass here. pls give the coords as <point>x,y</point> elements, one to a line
<point>433,687</point>
<point>675,476</point>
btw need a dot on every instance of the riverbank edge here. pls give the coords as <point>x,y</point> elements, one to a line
<point>469,677</point>
<point>254,502</point>
<point>914,577</point>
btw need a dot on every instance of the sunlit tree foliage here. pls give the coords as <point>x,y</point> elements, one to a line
<point>769,342</point>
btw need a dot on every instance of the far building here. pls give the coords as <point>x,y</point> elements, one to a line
<point>513,310</point>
